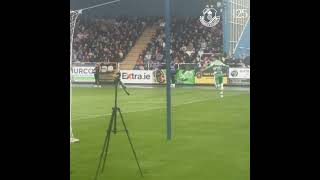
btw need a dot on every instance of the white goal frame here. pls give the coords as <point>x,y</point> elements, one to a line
<point>73,19</point>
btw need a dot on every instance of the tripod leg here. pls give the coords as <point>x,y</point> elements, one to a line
<point>114,111</point>
<point>106,141</point>
<point>115,122</point>
<point>134,153</point>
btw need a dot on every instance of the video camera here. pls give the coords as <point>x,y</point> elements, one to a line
<point>117,76</point>
<point>117,81</point>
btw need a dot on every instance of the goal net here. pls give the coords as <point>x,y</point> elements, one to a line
<point>73,19</point>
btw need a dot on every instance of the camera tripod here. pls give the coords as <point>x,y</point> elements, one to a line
<point>113,128</point>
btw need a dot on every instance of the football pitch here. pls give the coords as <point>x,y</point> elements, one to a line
<point>210,135</point>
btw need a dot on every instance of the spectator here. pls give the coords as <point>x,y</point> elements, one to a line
<point>110,39</point>
<point>159,57</point>
<point>106,39</point>
<point>188,36</point>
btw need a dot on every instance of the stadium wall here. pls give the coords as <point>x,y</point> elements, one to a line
<point>236,27</point>
<point>243,47</point>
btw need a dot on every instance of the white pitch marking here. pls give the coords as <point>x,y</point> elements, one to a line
<point>190,102</point>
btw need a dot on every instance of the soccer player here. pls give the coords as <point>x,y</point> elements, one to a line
<point>218,76</point>
<point>96,75</point>
<point>173,74</point>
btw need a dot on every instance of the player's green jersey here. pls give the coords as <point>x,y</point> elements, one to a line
<point>218,71</point>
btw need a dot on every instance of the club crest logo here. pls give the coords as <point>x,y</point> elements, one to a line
<point>209,18</point>
<point>234,73</point>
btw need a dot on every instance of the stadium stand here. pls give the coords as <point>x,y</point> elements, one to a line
<point>111,39</point>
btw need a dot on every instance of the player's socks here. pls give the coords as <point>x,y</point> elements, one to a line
<point>221,94</point>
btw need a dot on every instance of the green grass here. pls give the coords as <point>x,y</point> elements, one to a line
<point>210,135</point>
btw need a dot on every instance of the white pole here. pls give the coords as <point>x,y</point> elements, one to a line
<point>71,53</point>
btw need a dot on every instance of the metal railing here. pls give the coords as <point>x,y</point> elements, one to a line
<point>148,66</point>
<point>152,66</point>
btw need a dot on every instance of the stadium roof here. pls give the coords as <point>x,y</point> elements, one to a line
<point>143,7</point>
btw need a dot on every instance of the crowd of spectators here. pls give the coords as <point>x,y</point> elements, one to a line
<point>110,40</point>
<point>243,61</point>
<point>189,44</point>
<point>106,39</point>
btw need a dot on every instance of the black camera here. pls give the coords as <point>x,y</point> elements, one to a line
<point>118,75</point>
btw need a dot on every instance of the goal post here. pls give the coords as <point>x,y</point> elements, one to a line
<point>73,19</point>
